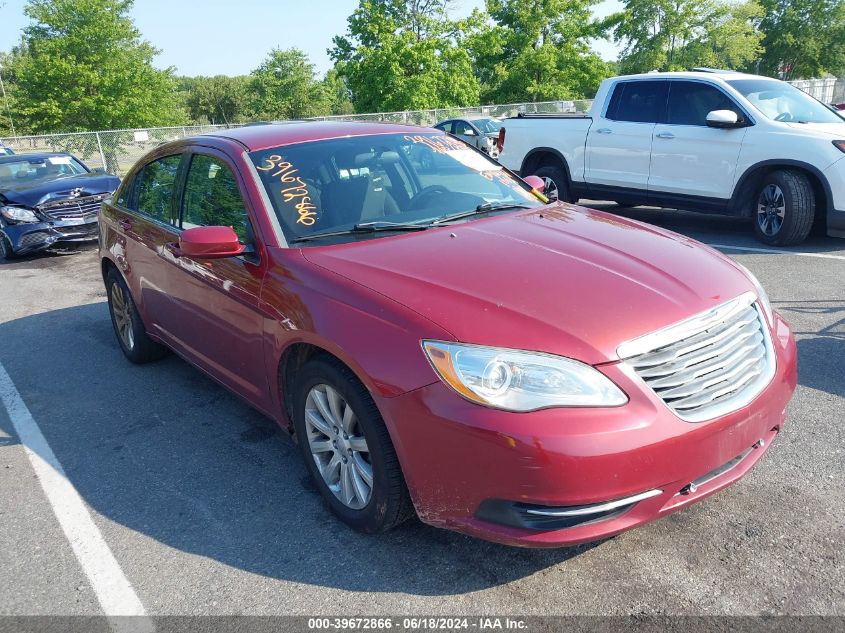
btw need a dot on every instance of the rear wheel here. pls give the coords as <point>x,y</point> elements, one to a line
<point>347,448</point>
<point>784,208</point>
<point>554,178</point>
<point>131,335</point>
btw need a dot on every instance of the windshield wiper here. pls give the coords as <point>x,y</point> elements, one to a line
<point>481,208</point>
<point>364,227</point>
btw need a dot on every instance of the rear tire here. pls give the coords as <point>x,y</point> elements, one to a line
<point>557,187</point>
<point>131,335</point>
<point>348,437</point>
<point>784,208</point>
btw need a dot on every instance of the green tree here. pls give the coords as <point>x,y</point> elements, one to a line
<point>285,86</point>
<point>803,38</point>
<point>337,93</point>
<point>84,66</point>
<point>218,99</point>
<point>681,34</point>
<point>539,50</point>
<point>399,55</point>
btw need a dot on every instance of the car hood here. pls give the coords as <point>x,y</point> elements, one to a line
<point>559,279</point>
<point>834,130</point>
<point>39,193</point>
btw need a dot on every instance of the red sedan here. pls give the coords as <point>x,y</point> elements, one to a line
<point>441,339</point>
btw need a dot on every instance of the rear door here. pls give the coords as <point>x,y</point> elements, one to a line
<point>687,156</point>
<point>215,317</point>
<point>619,142</point>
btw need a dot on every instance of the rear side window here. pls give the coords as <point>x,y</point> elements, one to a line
<point>157,183</point>
<point>691,101</point>
<point>638,101</point>
<point>212,198</point>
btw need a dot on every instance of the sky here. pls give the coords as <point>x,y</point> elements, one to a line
<point>232,37</point>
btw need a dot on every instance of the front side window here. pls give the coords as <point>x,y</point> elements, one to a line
<point>691,101</point>
<point>488,126</point>
<point>462,128</point>
<point>780,101</point>
<point>638,101</point>
<point>26,172</point>
<point>212,198</point>
<point>157,183</point>
<point>335,184</point>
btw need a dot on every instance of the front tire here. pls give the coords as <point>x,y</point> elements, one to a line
<point>6,252</point>
<point>784,208</point>
<point>347,449</point>
<point>557,187</point>
<point>131,335</point>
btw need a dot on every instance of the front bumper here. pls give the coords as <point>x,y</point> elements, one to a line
<point>459,459</point>
<point>36,236</point>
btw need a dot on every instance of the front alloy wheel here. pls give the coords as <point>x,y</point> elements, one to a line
<point>338,446</point>
<point>771,209</point>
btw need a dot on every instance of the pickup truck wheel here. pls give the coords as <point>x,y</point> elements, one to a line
<point>784,208</point>
<point>347,448</point>
<point>131,335</point>
<point>555,180</point>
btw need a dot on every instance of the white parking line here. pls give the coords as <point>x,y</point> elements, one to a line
<point>113,590</point>
<point>776,252</point>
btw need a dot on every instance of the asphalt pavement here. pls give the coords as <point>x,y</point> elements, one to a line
<point>207,509</point>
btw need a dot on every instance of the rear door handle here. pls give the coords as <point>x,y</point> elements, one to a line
<point>173,248</point>
<point>604,130</point>
<point>665,135</point>
<point>124,224</point>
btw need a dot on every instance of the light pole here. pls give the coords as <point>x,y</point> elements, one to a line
<point>6,101</point>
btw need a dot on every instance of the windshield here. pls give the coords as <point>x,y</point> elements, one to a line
<point>33,171</point>
<point>487,126</point>
<point>781,101</point>
<point>398,178</point>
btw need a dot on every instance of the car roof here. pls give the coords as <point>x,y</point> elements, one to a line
<point>258,137</point>
<point>723,75</point>
<point>8,158</point>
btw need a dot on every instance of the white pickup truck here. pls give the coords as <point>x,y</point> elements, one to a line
<point>704,140</point>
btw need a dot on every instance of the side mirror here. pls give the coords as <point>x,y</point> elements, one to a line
<point>722,119</point>
<point>208,242</point>
<point>535,182</point>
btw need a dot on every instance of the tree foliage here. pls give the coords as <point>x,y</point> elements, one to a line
<point>681,34</point>
<point>83,65</point>
<point>285,86</point>
<point>538,50</point>
<point>218,99</point>
<point>803,38</point>
<point>400,55</point>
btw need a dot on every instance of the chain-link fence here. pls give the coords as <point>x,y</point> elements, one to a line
<point>117,150</point>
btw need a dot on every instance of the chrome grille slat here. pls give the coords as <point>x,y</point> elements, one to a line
<point>711,364</point>
<point>74,208</point>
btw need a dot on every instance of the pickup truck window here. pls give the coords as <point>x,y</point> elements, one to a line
<point>638,101</point>
<point>691,101</point>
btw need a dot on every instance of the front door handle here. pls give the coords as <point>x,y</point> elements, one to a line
<point>173,249</point>
<point>665,135</point>
<point>125,224</point>
<point>604,130</point>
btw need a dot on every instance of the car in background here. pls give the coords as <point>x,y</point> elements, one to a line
<point>48,198</point>
<point>479,131</point>
<point>5,150</point>
<point>535,374</point>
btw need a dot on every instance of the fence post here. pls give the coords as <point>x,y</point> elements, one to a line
<point>100,147</point>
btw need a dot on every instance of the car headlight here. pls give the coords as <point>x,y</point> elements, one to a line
<point>763,298</point>
<point>520,381</point>
<point>18,214</point>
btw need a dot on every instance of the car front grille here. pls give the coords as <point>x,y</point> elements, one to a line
<point>712,364</point>
<point>74,208</point>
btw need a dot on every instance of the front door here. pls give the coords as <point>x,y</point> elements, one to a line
<point>689,157</point>
<point>217,320</point>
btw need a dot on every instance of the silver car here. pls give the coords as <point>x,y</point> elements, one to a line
<point>480,131</point>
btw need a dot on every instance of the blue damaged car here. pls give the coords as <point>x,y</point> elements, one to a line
<point>47,199</point>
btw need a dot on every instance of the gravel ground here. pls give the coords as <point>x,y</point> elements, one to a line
<point>207,508</point>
